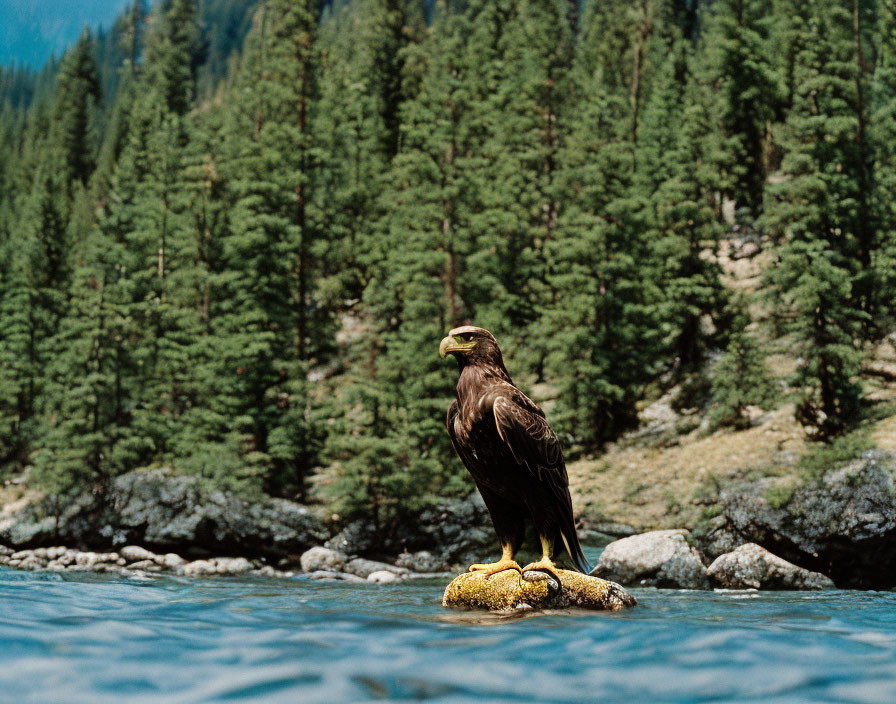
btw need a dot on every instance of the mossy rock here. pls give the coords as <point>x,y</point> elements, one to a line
<point>507,590</point>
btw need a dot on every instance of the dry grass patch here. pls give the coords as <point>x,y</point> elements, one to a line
<point>659,487</point>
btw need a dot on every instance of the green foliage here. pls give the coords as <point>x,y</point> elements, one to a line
<point>779,495</point>
<point>822,458</point>
<point>823,214</point>
<point>78,90</point>
<point>238,260</point>
<point>739,59</point>
<point>171,50</point>
<point>740,379</point>
<point>602,329</point>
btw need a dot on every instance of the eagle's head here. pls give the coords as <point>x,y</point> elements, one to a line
<point>472,345</point>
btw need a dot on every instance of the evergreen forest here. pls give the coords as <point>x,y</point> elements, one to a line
<point>232,234</point>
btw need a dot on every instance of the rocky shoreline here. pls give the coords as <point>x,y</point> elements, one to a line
<point>835,531</point>
<point>667,559</point>
<point>133,560</point>
<point>662,559</point>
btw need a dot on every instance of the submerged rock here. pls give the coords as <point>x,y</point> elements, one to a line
<point>145,565</point>
<point>364,568</point>
<point>383,577</point>
<point>661,558</point>
<point>333,575</point>
<point>753,567</point>
<point>506,590</point>
<point>843,525</point>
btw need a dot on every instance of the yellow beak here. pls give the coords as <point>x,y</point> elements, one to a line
<point>454,344</point>
<point>444,345</point>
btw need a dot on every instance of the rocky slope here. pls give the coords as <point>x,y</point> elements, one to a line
<point>842,525</point>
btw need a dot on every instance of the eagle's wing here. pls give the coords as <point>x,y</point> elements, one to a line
<point>527,434</point>
<point>452,432</point>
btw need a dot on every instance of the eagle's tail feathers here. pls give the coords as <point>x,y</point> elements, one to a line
<point>574,550</point>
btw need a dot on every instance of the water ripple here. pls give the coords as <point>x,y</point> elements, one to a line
<point>102,639</point>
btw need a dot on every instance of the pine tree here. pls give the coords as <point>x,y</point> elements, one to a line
<point>171,53</point>
<point>523,109</point>
<point>88,402</point>
<point>78,91</point>
<point>272,257</point>
<point>604,334</point>
<point>821,213</point>
<point>19,378</point>
<point>742,74</point>
<point>363,86</point>
<point>883,137</point>
<point>687,235</point>
<point>740,379</point>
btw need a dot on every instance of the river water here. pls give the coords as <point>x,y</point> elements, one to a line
<point>95,638</point>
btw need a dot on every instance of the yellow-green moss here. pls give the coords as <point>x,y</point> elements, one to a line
<point>507,590</point>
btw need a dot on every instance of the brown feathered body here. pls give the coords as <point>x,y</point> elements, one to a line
<point>508,446</point>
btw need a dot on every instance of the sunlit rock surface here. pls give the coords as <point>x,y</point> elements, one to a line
<point>753,567</point>
<point>507,590</point>
<point>660,558</point>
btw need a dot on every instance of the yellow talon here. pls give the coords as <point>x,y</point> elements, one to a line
<point>543,565</point>
<point>495,567</point>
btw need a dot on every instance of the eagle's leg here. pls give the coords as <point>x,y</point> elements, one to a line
<point>545,564</point>
<point>505,563</point>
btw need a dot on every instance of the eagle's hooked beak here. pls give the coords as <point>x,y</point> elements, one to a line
<point>451,344</point>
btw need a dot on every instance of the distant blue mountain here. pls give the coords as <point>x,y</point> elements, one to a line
<point>32,30</point>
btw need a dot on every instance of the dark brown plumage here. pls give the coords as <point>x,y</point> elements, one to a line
<point>506,443</point>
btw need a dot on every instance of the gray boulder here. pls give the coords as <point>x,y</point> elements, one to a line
<point>169,510</point>
<point>357,538</point>
<point>322,559</point>
<point>460,530</point>
<point>422,561</point>
<point>753,567</point>
<point>661,558</point>
<point>171,560</point>
<point>134,553</point>
<point>843,525</point>
<point>715,537</point>
<point>34,521</point>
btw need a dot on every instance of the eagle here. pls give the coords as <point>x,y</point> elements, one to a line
<point>508,446</point>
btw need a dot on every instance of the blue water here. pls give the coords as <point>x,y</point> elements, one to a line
<point>85,638</point>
